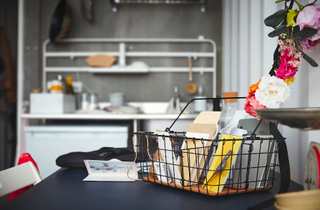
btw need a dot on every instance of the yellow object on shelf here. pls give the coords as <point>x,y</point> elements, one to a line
<point>55,88</point>
<point>69,80</point>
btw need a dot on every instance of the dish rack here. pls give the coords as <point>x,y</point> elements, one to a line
<point>222,165</point>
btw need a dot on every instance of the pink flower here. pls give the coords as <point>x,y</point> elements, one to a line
<point>310,17</point>
<point>289,64</point>
<point>252,104</point>
<point>307,44</point>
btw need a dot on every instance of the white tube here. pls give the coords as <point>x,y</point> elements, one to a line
<point>122,55</point>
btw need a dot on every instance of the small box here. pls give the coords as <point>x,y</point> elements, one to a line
<point>52,103</point>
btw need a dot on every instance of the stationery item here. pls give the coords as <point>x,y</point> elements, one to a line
<point>232,127</point>
<point>266,170</point>
<point>223,163</point>
<point>251,124</point>
<point>167,153</point>
<point>191,155</point>
<point>157,157</point>
<point>143,167</point>
<point>206,123</point>
<point>162,172</point>
<point>112,170</point>
<point>213,182</point>
<point>208,117</point>
<point>258,153</point>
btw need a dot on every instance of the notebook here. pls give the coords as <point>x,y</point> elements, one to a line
<point>111,170</point>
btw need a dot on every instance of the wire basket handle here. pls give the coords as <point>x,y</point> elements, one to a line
<point>168,129</point>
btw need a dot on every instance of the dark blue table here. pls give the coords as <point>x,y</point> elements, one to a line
<point>66,190</point>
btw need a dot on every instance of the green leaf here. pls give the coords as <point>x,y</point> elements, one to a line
<point>279,1</point>
<point>275,19</point>
<point>299,5</point>
<point>307,58</point>
<point>278,31</point>
<point>304,33</point>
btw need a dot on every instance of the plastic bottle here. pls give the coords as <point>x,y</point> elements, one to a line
<point>228,109</point>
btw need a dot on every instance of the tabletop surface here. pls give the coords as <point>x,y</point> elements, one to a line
<point>65,190</point>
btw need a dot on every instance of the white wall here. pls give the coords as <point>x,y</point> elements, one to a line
<point>247,55</point>
<point>311,98</point>
<point>247,51</point>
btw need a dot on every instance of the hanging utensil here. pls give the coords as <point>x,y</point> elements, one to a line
<point>191,87</point>
<point>87,9</point>
<point>60,21</point>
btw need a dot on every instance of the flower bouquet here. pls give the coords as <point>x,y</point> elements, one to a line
<point>297,30</point>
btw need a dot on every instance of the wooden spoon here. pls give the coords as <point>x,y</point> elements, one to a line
<point>191,87</point>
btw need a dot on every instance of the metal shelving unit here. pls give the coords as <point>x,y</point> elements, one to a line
<point>133,54</point>
<point>114,3</point>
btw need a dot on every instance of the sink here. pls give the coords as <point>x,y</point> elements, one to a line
<point>152,107</point>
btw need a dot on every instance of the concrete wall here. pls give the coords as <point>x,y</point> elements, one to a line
<point>130,21</point>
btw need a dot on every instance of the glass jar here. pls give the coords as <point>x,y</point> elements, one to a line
<point>229,107</point>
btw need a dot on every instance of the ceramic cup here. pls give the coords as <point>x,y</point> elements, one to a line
<point>116,99</point>
<point>200,105</point>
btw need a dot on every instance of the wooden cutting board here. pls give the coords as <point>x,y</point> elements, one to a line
<point>101,60</point>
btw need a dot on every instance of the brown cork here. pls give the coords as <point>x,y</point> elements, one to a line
<point>230,94</point>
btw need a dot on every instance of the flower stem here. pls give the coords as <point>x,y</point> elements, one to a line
<point>300,6</point>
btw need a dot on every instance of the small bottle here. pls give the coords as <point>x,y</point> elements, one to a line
<point>200,104</point>
<point>62,82</point>
<point>228,109</point>
<point>69,86</point>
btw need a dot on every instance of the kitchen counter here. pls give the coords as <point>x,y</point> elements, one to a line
<point>108,116</point>
<point>148,111</point>
<point>134,117</point>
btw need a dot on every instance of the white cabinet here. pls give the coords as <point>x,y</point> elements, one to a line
<point>46,143</point>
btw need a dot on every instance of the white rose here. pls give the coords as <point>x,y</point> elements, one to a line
<point>272,92</point>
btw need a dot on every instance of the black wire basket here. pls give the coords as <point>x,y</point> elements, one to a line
<point>219,165</point>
